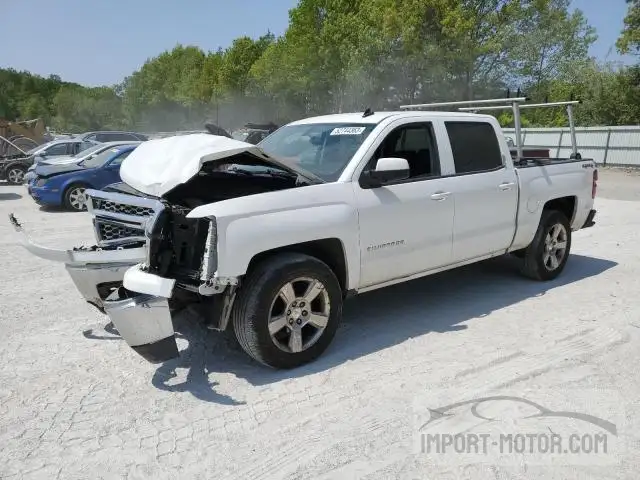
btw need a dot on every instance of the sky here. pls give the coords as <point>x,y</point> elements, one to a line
<point>99,43</point>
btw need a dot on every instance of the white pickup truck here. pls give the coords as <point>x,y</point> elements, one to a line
<point>272,238</point>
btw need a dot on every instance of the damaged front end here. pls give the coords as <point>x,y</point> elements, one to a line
<point>181,262</point>
<point>178,267</point>
<point>96,271</point>
<point>120,224</point>
<point>150,258</point>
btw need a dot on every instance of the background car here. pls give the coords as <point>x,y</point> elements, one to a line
<point>112,136</point>
<point>77,158</point>
<point>15,168</point>
<point>58,148</point>
<point>64,185</point>
<point>254,133</point>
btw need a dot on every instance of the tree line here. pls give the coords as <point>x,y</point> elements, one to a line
<point>346,55</point>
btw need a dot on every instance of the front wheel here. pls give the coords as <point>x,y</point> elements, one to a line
<point>547,255</point>
<point>288,310</point>
<point>75,198</point>
<point>15,175</point>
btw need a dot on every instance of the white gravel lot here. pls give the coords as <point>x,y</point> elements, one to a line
<point>77,403</point>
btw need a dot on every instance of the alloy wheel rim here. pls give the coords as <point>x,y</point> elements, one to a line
<point>555,247</point>
<point>78,199</point>
<point>15,175</point>
<point>299,314</point>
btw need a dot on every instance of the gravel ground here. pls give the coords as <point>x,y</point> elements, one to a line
<point>76,402</point>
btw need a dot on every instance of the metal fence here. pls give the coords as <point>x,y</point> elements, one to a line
<point>606,145</point>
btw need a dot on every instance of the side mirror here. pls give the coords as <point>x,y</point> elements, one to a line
<point>388,169</point>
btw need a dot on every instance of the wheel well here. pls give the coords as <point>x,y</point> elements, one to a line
<point>566,205</point>
<point>327,250</point>
<point>20,165</point>
<point>70,186</point>
<point>76,183</point>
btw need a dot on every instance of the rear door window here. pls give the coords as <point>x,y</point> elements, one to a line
<point>475,147</point>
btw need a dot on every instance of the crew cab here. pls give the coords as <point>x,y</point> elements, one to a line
<point>271,239</point>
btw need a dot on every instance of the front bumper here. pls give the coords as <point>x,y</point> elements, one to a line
<point>45,196</point>
<point>29,176</point>
<point>144,322</point>
<point>96,272</point>
<point>96,282</point>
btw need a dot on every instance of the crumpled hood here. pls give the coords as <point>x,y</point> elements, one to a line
<point>157,166</point>
<point>63,160</point>
<point>45,171</point>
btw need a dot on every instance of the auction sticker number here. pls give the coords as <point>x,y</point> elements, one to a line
<point>348,131</point>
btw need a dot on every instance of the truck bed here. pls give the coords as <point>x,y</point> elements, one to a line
<point>526,162</point>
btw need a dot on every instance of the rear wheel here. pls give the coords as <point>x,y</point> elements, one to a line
<point>288,310</point>
<point>15,175</point>
<point>75,198</point>
<point>547,255</point>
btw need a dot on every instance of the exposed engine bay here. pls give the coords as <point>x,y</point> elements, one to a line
<point>236,176</point>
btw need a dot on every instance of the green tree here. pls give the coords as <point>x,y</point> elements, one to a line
<point>234,73</point>
<point>629,41</point>
<point>34,106</point>
<point>345,55</point>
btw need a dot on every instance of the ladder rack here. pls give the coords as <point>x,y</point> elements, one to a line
<point>515,104</point>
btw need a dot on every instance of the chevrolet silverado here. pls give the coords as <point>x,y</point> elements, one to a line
<point>270,239</point>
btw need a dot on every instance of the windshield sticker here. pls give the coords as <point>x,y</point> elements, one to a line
<point>348,131</point>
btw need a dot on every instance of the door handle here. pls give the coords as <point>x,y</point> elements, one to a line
<point>439,196</point>
<point>506,185</point>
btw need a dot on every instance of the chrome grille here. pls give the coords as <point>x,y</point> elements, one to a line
<point>110,231</point>
<point>121,217</point>
<point>115,207</point>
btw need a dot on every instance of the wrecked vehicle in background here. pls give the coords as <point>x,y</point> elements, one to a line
<point>14,167</point>
<point>271,239</point>
<point>18,142</point>
<point>254,133</point>
<point>21,136</point>
<point>64,184</point>
<point>214,129</point>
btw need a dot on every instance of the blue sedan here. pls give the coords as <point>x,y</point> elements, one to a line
<point>64,185</point>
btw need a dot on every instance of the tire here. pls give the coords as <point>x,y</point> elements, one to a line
<point>70,198</point>
<point>259,301</point>
<point>537,264</point>
<point>15,174</point>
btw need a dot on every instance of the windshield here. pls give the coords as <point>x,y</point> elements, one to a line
<point>101,158</point>
<point>88,151</point>
<point>322,149</point>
